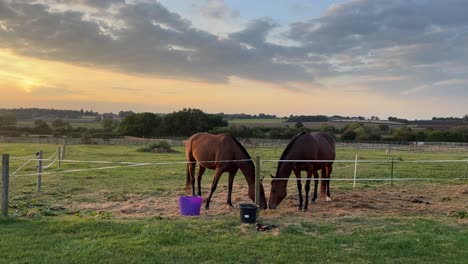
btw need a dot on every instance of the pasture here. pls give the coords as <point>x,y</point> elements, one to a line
<point>130,214</point>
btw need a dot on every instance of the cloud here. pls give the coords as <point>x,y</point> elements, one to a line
<point>44,91</point>
<point>403,44</point>
<point>423,42</point>
<point>140,38</point>
<point>217,9</point>
<point>99,4</point>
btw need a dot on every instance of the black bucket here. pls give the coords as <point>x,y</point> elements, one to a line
<point>248,213</point>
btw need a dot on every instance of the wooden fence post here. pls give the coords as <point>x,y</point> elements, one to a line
<point>257,181</point>
<point>59,157</point>
<point>39,171</point>
<point>391,173</point>
<point>355,171</point>
<point>5,183</point>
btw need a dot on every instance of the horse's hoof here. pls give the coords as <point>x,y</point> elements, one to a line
<point>299,208</point>
<point>313,201</point>
<point>329,199</point>
<point>305,210</point>
<point>207,207</point>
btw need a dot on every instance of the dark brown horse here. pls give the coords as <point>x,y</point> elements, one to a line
<point>304,146</point>
<point>221,153</point>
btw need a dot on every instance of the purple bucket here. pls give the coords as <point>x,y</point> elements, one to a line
<point>190,205</point>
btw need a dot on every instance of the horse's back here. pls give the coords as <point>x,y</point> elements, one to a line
<point>325,145</point>
<point>205,146</point>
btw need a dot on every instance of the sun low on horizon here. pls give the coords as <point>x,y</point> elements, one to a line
<point>296,58</point>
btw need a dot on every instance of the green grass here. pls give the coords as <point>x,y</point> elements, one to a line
<point>224,240</point>
<point>37,234</point>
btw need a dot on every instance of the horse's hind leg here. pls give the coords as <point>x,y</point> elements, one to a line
<point>326,182</point>
<point>190,178</point>
<point>299,188</point>
<point>231,181</point>
<point>216,177</point>
<point>329,169</point>
<point>201,170</point>
<point>307,188</point>
<point>316,176</point>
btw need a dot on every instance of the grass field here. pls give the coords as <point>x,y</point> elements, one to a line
<point>130,215</point>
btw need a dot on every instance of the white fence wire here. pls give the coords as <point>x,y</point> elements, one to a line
<point>128,164</point>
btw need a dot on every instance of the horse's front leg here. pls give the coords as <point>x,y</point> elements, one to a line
<point>299,187</point>
<point>230,183</point>
<point>216,177</point>
<point>307,188</point>
<point>316,176</point>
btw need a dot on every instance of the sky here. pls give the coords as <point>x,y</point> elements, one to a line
<point>402,58</point>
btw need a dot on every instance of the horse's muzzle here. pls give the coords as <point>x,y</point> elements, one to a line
<point>272,206</point>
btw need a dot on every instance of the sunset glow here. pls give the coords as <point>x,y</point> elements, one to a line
<point>162,56</point>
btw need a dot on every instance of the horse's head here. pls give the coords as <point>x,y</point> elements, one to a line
<point>278,192</point>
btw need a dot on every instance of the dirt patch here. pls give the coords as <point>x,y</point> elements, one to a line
<point>422,200</point>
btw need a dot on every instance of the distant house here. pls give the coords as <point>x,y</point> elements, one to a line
<point>88,117</point>
<point>110,116</point>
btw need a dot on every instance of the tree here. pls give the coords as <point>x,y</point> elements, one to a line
<point>349,135</point>
<point>436,136</point>
<point>189,121</point>
<point>327,128</point>
<point>109,123</point>
<point>41,127</point>
<point>61,127</point>
<point>59,123</point>
<point>140,125</point>
<point>7,119</point>
<point>403,133</point>
<point>299,125</point>
<point>123,114</point>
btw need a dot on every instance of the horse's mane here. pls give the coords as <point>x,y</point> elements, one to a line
<point>288,148</point>
<point>243,149</point>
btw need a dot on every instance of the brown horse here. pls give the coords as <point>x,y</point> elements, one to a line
<point>221,153</point>
<point>304,146</point>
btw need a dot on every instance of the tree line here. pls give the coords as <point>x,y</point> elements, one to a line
<point>188,121</point>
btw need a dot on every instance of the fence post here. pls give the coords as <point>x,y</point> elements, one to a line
<point>59,157</point>
<point>5,183</point>
<point>39,171</point>
<point>391,174</point>
<point>257,181</point>
<point>355,171</point>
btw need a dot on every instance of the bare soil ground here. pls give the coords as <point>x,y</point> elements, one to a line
<point>381,200</point>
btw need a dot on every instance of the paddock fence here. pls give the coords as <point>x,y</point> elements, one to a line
<point>387,146</point>
<point>383,170</point>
